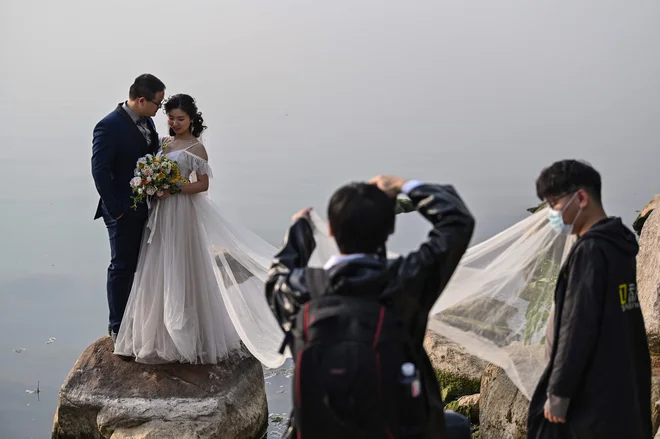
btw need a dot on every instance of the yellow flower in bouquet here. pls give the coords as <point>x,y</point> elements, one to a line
<point>155,176</point>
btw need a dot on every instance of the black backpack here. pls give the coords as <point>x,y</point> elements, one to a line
<point>348,353</point>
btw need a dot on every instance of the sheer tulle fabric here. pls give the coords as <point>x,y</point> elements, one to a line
<point>199,289</point>
<point>498,301</point>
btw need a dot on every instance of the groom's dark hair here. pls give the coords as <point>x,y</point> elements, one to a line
<point>361,217</point>
<point>145,86</point>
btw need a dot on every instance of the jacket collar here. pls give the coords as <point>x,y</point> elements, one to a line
<point>339,259</point>
<point>129,120</point>
<point>359,275</point>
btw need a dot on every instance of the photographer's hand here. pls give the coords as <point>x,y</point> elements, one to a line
<point>389,184</point>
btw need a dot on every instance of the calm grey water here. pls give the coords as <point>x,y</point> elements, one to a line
<point>300,97</point>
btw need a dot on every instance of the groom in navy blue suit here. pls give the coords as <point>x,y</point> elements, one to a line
<point>120,139</point>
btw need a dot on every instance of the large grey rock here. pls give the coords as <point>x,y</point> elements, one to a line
<point>655,418</point>
<point>503,409</point>
<point>655,393</point>
<point>451,358</point>
<point>107,397</point>
<point>648,279</point>
<point>638,224</point>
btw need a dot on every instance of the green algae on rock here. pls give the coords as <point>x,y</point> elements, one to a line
<point>453,386</point>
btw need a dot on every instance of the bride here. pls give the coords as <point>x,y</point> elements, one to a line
<point>198,290</point>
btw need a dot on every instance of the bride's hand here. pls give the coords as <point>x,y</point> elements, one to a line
<point>163,195</point>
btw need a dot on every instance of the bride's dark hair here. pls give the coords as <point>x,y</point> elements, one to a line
<point>187,104</point>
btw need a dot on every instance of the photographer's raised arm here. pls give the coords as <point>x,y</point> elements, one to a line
<point>285,289</point>
<point>428,269</point>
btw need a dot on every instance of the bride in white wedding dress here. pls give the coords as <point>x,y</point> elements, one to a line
<point>198,290</point>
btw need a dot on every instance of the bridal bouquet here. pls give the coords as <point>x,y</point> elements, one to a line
<point>153,176</point>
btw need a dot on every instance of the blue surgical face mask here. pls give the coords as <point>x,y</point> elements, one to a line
<point>556,218</point>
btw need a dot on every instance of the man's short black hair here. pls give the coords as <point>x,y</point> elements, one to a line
<point>361,217</point>
<point>567,176</point>
<point>145,86</point>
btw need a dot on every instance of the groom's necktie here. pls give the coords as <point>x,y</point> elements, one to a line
<point>143,125</point>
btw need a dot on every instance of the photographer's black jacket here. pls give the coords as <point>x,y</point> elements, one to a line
<point>413,285</point>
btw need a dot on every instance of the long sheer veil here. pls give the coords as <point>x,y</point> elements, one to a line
<point>496,304</point>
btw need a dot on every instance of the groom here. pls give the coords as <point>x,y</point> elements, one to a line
<point>120,139</point>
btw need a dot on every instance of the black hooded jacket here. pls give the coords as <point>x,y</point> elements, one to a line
<point>411,283</point>
<point>600,357</point>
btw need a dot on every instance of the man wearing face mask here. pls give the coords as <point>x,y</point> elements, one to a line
<point>597,383</point>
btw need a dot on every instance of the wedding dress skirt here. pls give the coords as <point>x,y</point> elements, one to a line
<point>199,286</point>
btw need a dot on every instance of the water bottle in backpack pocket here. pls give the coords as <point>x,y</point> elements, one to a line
<point>413,415</point>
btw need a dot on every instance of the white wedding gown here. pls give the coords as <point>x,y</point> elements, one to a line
<point>199,289</point>
<point>199,286</point>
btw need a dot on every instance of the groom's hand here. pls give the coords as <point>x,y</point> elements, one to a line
<point>304,214</point>
<point>389,184</point>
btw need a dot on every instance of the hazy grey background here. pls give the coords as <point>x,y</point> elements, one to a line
<point>300,97</point>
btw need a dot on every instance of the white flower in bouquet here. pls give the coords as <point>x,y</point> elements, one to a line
<point>153,176</point>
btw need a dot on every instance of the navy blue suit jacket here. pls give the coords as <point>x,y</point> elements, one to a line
<point>117,146</point>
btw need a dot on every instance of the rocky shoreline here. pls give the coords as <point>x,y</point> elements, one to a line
<point>106,397</point>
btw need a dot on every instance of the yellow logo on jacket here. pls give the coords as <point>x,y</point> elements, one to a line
<point>628,296</point>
